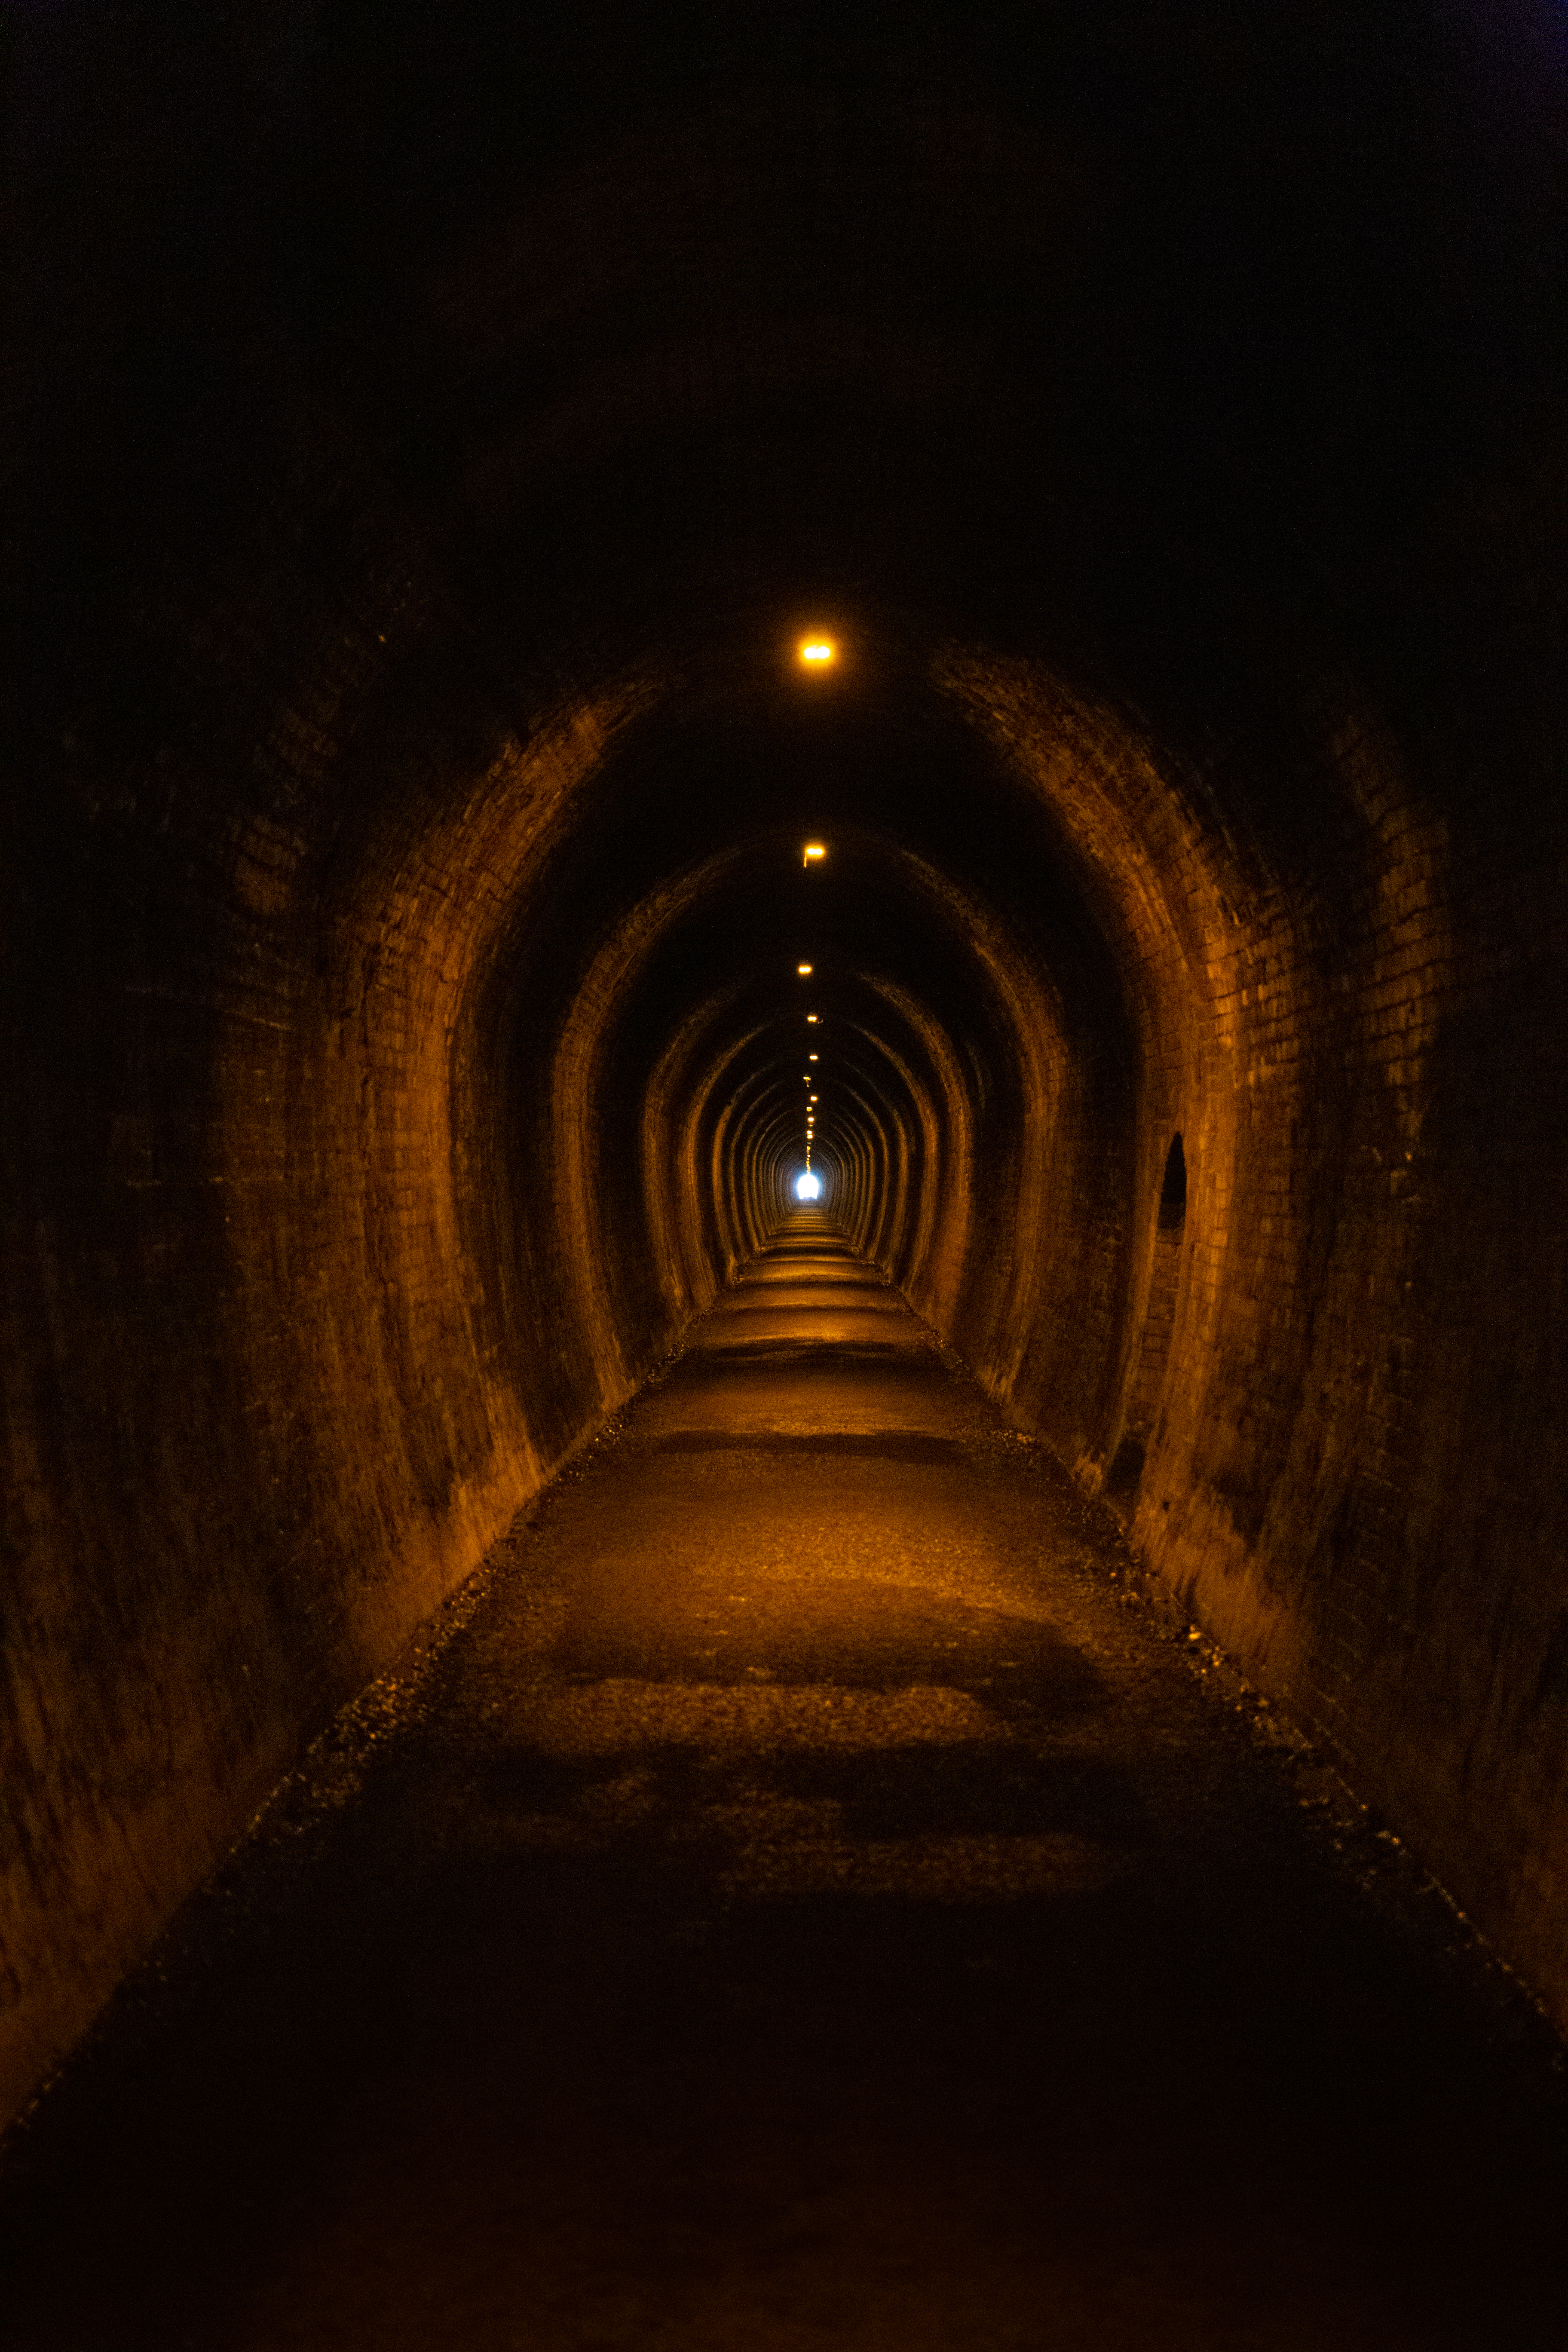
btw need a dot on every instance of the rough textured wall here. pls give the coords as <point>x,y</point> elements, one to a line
<point>253,1436</point>
<point>1364,1055</point>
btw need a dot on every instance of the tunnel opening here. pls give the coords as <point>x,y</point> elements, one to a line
<point>1146,1388</point>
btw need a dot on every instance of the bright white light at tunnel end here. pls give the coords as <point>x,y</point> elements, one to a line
<point>807,1187</point>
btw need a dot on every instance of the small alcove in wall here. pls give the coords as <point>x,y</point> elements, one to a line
<point>1159,1324</point>
<point>1172,1194</point>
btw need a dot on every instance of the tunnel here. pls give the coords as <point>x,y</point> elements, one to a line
<point>616,605</point>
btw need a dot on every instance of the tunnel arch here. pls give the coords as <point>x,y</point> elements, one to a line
<point>421,771</point>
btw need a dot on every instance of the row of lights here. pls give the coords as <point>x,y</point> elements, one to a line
<point>816,653</point>
<point>812,853</point>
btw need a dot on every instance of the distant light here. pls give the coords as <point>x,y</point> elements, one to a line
<point>807,1187</point>
<point>802,969</point>
<point>819,652</point>
<point>811,1098</point>
<point>814,1057</point>
<point>813,851</point>
<point>811,1016</point>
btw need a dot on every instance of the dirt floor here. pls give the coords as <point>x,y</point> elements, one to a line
<point>808,1892</point>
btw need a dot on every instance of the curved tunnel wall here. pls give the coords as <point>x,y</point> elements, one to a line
<point>402,1024</point>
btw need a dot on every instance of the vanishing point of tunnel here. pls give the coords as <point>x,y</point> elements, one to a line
<point>782,973</point>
